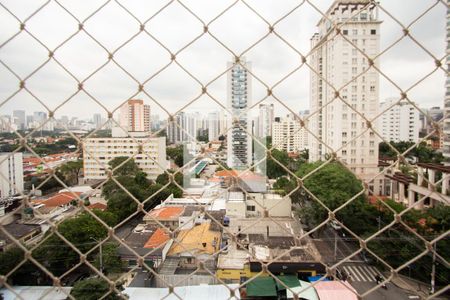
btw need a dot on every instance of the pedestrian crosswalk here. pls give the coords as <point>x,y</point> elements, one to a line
<point>362,273</point>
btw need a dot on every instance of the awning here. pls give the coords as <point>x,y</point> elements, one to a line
<point>262,287</point>
<point>316,278</point>
<point>289,280</point>
<point>309,294</point>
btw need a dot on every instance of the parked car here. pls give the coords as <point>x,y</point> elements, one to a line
<point>335,225</point>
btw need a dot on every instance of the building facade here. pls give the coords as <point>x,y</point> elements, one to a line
<point>288,134</point>
<point>265,120</point>
<point>135,116</point>
<point>400,121</point>
<point>19,119</point>
<point>11,167</point>
<point>336,117</point>
<point>239,142</point>
<point>97,152</point>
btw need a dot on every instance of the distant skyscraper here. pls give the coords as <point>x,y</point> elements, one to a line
<point>135,116</point>
<point>265,119</point>
<point>30,121</point>
<point>337,62</point>
<point>213,126</point>
<point>39,117</point>
<point>239,142</point>
<point>400,123</point>
<point>176,129</point>
<point>155,123</point>
<point>97,118</point>
<point>19,119</point>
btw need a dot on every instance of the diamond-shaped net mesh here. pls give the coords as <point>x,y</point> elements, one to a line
<point>329,219</point>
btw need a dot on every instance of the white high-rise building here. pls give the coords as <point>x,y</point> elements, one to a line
<point>135,116</point>
<point>264,121</point>
<point>400,123</point>
<point>239,142</point>
<point>213,126</point>
<point>11,167</point>
<point>337,63</point>
<point>19,119</point>
<point>288,134</point>
<point>97,152</point>
<point>97,119</point>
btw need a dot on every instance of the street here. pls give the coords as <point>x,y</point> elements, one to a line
<point>333,248</point>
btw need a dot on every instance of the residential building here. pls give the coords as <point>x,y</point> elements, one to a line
<point>135,116</point>
<point>288,134</point>
<point>399,121</point>
<point>239,142</point>
<point>176,129</point>
<point>11,183</point>
<point>265,120</point>
<point>334,120</point>
<point>97,120</point>
<point>213,126</point>
<point>150,154</point>
<point>19,119</point>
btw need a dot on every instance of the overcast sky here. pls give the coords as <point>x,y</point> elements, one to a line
<point>205,58</point>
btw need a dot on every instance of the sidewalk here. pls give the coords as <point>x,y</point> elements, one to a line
<point>409,284</point>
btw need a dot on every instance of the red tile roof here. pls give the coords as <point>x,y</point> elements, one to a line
<point>58,199</point>
<point>158,238</point>
<point>164,213</point>
<point>97,205</point>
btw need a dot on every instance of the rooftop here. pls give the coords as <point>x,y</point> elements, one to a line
<point>197,240</point>
<point>165,213</point>
<point>58,199</point>
<point>158,238</point>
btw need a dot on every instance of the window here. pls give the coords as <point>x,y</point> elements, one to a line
<point>372,88</point>
<point>345,32</point>
<point>251,208</point>
<point>355,32</point>
<point>373,31</point>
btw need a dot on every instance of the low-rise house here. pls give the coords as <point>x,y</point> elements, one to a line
<point>25,234</point>
<point>167,216</point>
<point>148,241</point>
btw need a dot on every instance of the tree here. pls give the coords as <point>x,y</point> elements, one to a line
<point>111,261</point>
<point>93,289</point>
<point>128,168</point>
<point>71,171</point>
<point>275,168</point>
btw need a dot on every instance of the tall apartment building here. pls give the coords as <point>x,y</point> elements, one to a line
<point>97,119</point>
<point>11,167</point>
<point>400,123</point>
<point>288,135</point>
<point>213,126</point>
<point>338,62</point>
<point>19,119</point>
<point>97,152</point>
<point>239,142</point>
<point>446,146</point>
<point>176,130</point>
<point>135,116</point>
<point>264,121</point>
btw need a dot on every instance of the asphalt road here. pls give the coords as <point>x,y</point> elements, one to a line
<point>333,248</point>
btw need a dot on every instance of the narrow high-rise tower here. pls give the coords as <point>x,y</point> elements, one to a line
<point>345,70</point>
<point>239,142</point>
<point>135,116</point>
<point>446,148</point>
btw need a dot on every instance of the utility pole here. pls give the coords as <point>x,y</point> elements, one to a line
<point>335,246</point>
<point>100,252</point>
